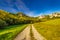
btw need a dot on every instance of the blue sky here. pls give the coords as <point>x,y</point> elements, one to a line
<point>31,7</point>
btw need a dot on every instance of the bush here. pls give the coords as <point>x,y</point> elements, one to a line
<point>2,24</point>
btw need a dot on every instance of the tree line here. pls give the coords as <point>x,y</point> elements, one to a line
<point>7,19</point>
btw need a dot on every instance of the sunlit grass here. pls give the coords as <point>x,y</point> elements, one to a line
<point>49,29</point>
<point>11,31</point>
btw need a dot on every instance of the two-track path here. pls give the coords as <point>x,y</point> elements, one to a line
<point>25,34</point>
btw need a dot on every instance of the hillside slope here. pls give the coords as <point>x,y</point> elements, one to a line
<point>7,18</point>
<point>50,29</point>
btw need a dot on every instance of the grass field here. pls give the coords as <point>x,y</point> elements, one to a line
<point>11,31</point>
<point>49,29</point>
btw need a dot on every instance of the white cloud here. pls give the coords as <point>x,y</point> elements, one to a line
<point>21,5</point>
<point>15,3</point>
<point>30,13</point>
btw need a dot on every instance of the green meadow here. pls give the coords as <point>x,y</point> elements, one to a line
<point>11,24</point>
<point>9,33</point>
<point>49,29</point>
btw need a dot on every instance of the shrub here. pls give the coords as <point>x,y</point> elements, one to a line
<point>2,24</point>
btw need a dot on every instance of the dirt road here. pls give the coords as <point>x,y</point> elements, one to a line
<point>36,35</point>
<point>25,34</point>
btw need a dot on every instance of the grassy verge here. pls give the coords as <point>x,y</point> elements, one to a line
<point>11,31</point>
<point>49,29</point>
<point>31,34</point>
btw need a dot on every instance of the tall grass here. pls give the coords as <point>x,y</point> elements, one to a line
<point>11,31</point>
<point>49,29</point>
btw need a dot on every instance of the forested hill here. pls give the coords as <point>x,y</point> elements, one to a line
<point>7,18</point>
